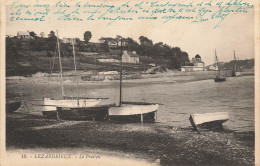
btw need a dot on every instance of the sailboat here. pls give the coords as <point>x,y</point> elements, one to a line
<point>50,104</point>
<point>235,73</point>
<point>219,77</point>
<point>131,111</point>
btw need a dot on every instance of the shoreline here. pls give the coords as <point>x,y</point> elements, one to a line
<point>167,77</point>
<point>149,142</point>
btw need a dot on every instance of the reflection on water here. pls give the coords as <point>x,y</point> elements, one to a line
<point>236,96</point>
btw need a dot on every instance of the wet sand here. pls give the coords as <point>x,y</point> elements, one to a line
<point>155,143</point>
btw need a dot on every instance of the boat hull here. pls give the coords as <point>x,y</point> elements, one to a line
<point>50,105</point>
<point>50,114</point>
<point>133,112</point>
<point>97,113</point>
<point>12,107</point>
<point>220,79</point>
<point>147,118</point>
<point>209,120</point>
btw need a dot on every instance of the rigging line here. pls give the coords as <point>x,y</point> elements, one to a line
<point>61,75</point>
<point>51,68</point>
<point>75,69</point>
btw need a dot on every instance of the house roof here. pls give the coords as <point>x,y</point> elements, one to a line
<point>131,54</point>
<point>194,60</point>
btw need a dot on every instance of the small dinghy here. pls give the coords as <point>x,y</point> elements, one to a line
<point>208,120</point>
<point>13,106</point>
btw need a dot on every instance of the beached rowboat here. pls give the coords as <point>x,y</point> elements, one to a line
<point>208,120</point>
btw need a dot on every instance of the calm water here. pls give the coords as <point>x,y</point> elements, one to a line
<point>236,96</point>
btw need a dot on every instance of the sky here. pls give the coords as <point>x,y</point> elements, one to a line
<point>235,33</point>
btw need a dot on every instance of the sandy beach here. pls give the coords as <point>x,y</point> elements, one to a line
<point>153,143</point>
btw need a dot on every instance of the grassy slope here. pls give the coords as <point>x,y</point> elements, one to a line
<point>40,62</point>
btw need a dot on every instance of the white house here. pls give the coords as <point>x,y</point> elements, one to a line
<point>130,57</point>
<point>68,40</point>
<point>23,35</point>
<point>198,65</point>
<point>212,67</point>
<point>42,34</point>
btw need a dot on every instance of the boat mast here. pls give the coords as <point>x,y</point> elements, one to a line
<point>120,93</point>
<point>61,77</point>
<point>217,64</point>
<point>75,70</point>
<point>235,61</point>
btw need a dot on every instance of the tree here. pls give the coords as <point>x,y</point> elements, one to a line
<point>131,44</point>
<point>52,41</point>
<point>52,34</point>
<point>197,56</point>
<point>104,46</point>
<point>32,34</point>
<point>145,41</point>
<point>145,46</point>
<point>87,36</point>
<point>117,40</point>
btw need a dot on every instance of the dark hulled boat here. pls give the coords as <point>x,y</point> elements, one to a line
<point>219,77</point>
<point>96,113</point>
<point>13,106</point>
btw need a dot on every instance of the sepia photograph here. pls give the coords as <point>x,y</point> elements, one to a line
<point>129,82</point>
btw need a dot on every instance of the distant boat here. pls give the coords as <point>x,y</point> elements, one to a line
<point>235,73</point>
<point>50,105</point>
<point>208,120</point>
<point>132,111</point>
<point>219,77</point>
<point>13,106</point>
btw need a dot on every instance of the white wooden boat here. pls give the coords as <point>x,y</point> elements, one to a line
<point>133,112</point>
<point>208,120</point>
<point>50,105</point>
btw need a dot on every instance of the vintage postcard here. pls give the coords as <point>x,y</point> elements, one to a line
<point>141,82</point>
